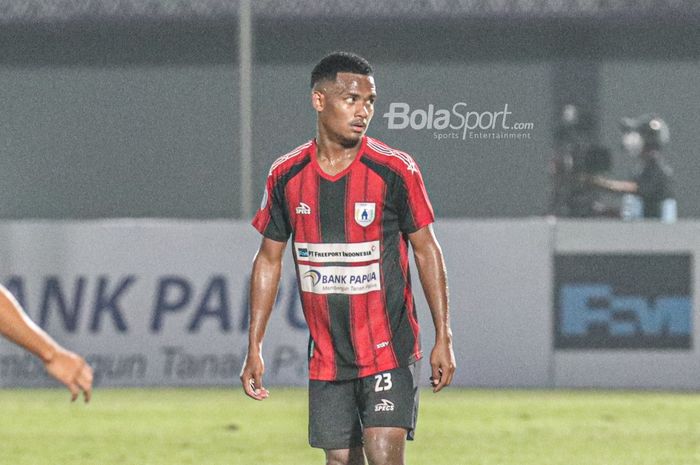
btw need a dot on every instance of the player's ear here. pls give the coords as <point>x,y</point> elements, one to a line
<point>317,100</point>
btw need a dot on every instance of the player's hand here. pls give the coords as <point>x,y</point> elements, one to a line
<point>251,377</point>
<point>442,363</point>
<point>72,370</point>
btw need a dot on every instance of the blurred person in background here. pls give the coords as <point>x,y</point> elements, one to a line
<point>649,193</point>
<point>575,158</point>
<point>63,365</point>
<point>351,205</point>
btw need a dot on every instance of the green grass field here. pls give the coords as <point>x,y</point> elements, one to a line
<point>217,426</point>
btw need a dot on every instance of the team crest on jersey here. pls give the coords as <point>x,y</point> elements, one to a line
<point>364,213</point>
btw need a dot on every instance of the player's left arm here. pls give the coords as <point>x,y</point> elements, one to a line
<point>433,278</point>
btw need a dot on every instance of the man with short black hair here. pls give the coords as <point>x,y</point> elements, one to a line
<point>351,205</point>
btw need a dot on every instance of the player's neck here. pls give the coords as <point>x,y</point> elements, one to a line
<point>333,157</point>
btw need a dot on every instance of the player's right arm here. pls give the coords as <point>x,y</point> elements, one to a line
<point>264,282</point>
<point>67,367</point>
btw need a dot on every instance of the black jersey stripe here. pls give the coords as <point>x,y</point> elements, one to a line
<point>395,281</point>
<point>403,339</point>
<point>387,279</point>
<point>279,227</point>
<point>397,186</point>
<point>332,224</point>
<point>312,318</point>
<point>332,210</point>
<point>368,311</point>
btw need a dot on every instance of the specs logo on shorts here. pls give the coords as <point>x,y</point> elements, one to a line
<point>384,406</point>
<point>303,209</point>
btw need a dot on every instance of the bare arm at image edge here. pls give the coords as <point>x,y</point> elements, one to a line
<point>65,366</point>
<point>264,283</point>
<point>433,278</point>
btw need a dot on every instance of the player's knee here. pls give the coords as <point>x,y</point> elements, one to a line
<point>385,457</point>
<point>344,461</point>
<point>385,446</point>
<point>353,456</point>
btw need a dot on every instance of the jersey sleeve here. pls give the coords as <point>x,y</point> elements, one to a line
<point>415,209</point>
<point>272,219</point>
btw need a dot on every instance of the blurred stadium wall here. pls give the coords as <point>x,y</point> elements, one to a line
<point>534,303</point>
<point>132,109</point>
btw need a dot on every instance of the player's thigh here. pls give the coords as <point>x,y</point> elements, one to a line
<point>334,421</point>
<point>390,399</point>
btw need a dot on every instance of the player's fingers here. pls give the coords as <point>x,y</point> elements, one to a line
<point>435,375</point>
<point>249,386</point>
<point>247,383</point>
<point>74,391</point>
<point>85,383</point>
<point>449,375</point>
<point>260,391</point>
<point>447,371</point>
<point>436,372</point>
<point>83,380</point>
<point>441,382</point>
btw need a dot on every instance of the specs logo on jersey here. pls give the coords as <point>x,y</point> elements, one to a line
<point>364,213</point>
<point>303,252</point>
<point>303,209</point>
<point>384,406</point>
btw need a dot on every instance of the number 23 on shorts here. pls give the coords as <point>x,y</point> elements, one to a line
<point>383,382</point>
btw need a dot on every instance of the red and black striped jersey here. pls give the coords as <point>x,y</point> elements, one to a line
<point>350,246</point>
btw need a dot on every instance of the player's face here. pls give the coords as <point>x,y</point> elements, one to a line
<point>345,107</point>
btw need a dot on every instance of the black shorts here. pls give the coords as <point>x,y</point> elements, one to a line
<point>339,410</point>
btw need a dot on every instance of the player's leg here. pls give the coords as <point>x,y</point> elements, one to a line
<point>389,408</point>
<point>354,456</point>
<point>385,445</point>
<point>334,422</point>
